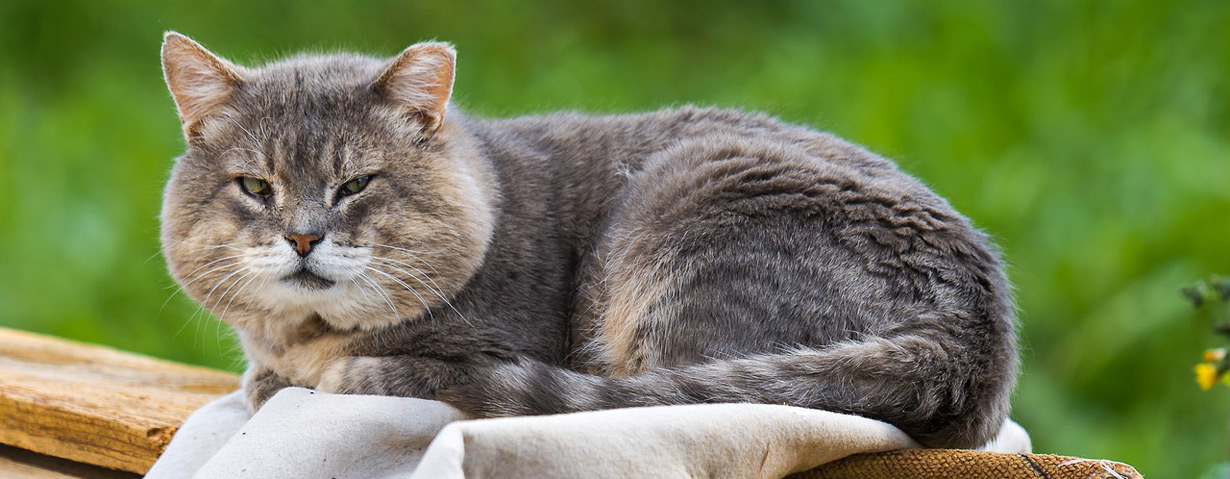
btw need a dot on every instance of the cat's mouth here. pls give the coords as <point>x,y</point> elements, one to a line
<point>309,280</point>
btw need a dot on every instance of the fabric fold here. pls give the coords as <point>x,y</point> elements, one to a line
<point>304,433</point>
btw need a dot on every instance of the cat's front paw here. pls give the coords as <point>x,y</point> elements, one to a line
<point>351,375</point>
<point>259,385</point>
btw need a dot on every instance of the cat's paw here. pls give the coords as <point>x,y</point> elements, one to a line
<point>350,375</point>
<point>259,385</point>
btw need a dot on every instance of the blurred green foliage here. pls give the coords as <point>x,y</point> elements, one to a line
<point>1092,139</point>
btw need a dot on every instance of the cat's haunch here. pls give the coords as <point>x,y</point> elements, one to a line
<point>362,235</point>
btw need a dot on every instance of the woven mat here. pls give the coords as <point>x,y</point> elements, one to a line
<point>949,463</point>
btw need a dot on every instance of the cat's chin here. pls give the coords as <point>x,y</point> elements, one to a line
<point>300,290</point>
<point>309,281</point>
<point>340,304</point>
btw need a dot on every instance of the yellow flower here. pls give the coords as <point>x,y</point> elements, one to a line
<point>1206,375</point>
<point>1214,355</point>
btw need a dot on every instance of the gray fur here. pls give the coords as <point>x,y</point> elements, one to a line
<point>570,262</point>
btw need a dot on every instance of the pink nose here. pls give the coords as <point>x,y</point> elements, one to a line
<point>303,242</point>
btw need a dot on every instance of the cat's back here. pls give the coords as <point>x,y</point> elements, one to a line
<point>585,163</point>
<point>627,139</point>
<point>835,223</point>
<point>587,159</point>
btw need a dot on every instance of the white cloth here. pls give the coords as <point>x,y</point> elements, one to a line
<point>304,433</point>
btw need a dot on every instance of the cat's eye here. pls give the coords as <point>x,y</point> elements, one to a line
<point>354,186</point>
<point>255,186</point>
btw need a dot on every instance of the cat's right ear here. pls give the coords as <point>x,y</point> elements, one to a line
<point>199,81</point>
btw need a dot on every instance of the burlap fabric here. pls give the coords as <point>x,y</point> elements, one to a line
<point>951,463</point>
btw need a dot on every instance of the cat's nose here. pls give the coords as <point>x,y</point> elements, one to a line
<point>303,243</point>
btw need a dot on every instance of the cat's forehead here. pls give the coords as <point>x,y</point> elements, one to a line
<point>303,155</point>
<point>302,111</point>
<point>308,91</point>
<point>315,73</point>
<point>305,120</point>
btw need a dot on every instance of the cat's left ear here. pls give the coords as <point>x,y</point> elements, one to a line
<point>420,81</point>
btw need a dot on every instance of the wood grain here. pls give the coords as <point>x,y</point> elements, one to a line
<point>20,463</point>
<point>96,405</point>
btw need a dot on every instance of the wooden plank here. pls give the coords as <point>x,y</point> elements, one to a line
<point>96,405</point>
<point>19,463</point>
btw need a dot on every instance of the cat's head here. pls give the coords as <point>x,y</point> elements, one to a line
<point>336,185</point>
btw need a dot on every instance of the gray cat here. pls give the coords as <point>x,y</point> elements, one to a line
<point>364,236</point>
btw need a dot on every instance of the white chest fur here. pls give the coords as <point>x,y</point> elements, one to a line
<point>302,361</point>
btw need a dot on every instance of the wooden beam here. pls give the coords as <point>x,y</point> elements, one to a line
<point>96,405</point>
<point>20,463</point>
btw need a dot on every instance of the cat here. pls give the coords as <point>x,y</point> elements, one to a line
<point>362,235</point>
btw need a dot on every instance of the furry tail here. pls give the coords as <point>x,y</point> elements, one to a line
<point>940,398</point>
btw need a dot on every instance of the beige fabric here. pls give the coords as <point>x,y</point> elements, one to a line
<point>303,433</point>
<point>716,440</point>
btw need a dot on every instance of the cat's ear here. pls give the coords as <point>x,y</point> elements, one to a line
<point>420,81</point>
<point>200,81</point>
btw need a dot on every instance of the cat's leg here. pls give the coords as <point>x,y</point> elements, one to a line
<point>402,375</point>
<point>260,384</point>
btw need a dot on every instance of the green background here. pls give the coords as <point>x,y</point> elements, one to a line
<point>1091,139</point>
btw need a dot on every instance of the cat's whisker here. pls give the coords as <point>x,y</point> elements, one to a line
<point>408,265</point>
<point>237,148</point>
<point>416,258</point>
<point>348,168</point>
<point>427,307</point>
<point>355,283</point>
<point>218,325</point>
<point>215,269</point>
<point>218,317</point>
<point>198,317</point>
<point>436,290</point>
<point>234,283</point>
<point>222,281</point>
<point>200,245</point>
<point>252,137</point>
<point>163,308</point>
<point>381,292</point>
<point>186,322</point>
<point>163,249</point>
<point>218,334</point>
<point>408,288</point>
<point>411,251</point>
<point>414,277</point>
<point>224,258</point>
<point>362,289</point>
<point>237,292</point>
<point>152,256</point>
<point>367,300</point>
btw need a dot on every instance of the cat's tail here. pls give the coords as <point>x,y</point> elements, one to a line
<point>908,381</point>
